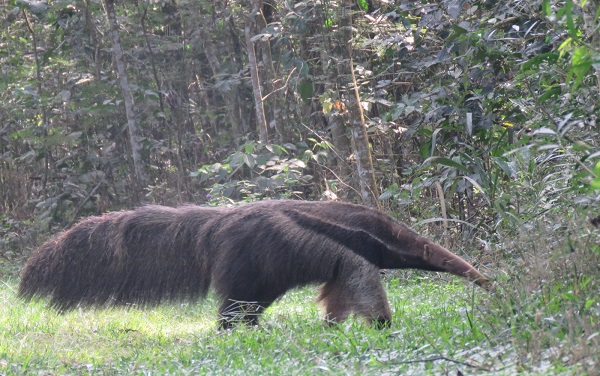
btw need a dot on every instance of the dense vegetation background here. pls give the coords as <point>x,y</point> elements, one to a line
<point>476,122</point>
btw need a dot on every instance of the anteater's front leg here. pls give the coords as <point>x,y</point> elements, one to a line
<point>236,311</point>
<point>357,289</point>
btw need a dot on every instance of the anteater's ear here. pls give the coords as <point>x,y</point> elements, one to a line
<point>427,252</point>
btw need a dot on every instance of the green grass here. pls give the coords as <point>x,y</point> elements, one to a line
<point>439,327</point>
<point>430,319</point>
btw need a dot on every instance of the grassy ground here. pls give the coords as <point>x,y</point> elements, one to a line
<point>430,320</point>
<point>441,326</point>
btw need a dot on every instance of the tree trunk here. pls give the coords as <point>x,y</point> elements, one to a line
<point>337,118</point>
<point>134,137</point>
<point>258,98</point>
<point>364,164</point>
<point>272,86</point>
<point>341,142</point>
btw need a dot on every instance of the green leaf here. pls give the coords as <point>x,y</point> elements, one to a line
<point>249,147</point>
<point>305,89</point>
<point>552,92</point>
<point>503,165</point>
<point>595,183</point>
<point>276,149</point>
<point>479,188</point>
<point>389,192</point>
<point>446,162</point>
<point>581,63</point>
<point>249,160</point>
<point>549,57</point>
<point>236,160</point>
<point>589,302</point>
<point>363,4</point>
<point>573,32</point>
<point>385,195</point>
<point>546,7</point>
<point>327,105</point>
<point>434,140</point>
<point>457,31</point>
<point>597,170</point>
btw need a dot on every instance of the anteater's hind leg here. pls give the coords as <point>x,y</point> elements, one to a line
<point>359,292</point>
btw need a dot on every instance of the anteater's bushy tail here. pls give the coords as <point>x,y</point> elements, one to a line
<point>142,256</point>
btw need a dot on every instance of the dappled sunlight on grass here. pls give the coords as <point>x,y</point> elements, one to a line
<point>97,335</point>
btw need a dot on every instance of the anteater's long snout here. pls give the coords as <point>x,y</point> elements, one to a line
<point>447,261</point>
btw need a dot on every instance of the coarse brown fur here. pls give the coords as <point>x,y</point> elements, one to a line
<point>250,255</point>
